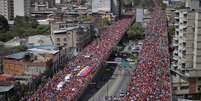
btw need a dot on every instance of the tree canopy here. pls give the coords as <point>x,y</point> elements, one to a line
<point>135,32</point>
<point>23,26</point>
<point>3,24</point>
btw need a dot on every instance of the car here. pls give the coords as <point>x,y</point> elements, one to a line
<point>122,93</point>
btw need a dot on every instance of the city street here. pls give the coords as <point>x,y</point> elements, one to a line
<point>118,81</point>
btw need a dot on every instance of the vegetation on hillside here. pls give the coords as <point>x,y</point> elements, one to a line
<point>23,26</point>
<point>3,24</point>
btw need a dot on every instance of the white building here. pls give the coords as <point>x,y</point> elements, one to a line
<point>193,4</point>
<point>139,15</point>
<point>101,5</point>
<point>6,9</point>
<point>186,61</point>
<point>39,40</point>
<point>12,8</point>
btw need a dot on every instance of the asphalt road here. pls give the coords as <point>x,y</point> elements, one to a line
<point>118,81</point>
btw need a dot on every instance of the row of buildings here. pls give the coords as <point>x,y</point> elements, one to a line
<point>42,8</point>
<point>186,44</point>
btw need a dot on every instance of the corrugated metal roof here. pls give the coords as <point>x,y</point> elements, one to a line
<point>6,88</point>
<point>17,56</point>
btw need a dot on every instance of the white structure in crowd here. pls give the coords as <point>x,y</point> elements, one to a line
<point>139,15</point>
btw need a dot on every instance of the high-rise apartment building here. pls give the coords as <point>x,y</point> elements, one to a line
<point>186,62</point>
<point>6,9</point>
<point>22,7</point>
<point>12,8</point>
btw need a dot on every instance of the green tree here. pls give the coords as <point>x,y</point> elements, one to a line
<point>20,48</point>
<point>136,32</point>
<point>3,24</point>
<point>106,22</point>
<point>25,21</point>
<point>42,29</point>
<point>5,36</point>
<point>171,32</point>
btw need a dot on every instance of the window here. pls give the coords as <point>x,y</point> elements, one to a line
<point>199,88</point>
<point>199,79</point>
<point>174,88</point>
<point>58,39</point>
<point>184,87</point>
<point>65,44</point>
<point>183,65</point>
<point>65,39</point>
<point>61,26</point>
<point>184,44</point>
<point>58,44</point>
<point>199,3</point>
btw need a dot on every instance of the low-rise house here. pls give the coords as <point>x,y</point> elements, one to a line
<point>39,40</point>
<point>15,42</point>
<point>36,60</point>
<point>20,63</point>
<point>72,38</point>
<point>6,90</point>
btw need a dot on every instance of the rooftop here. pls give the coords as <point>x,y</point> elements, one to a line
<point>36,51</point>
<point>5,88</point>
<point>17,56</point>
<point>65,30</point>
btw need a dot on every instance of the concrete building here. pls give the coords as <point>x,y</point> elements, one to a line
<point>39,40</point>
<point>16,64</point>
<point>22,7</point>
<point>35,60</point>
<point>6,9</point>
<point>109,6</point>
<point>101,5</point>
<point>12,8</point>
<point>72,37</point>
<point>186,61</point>
<point>193,4</point>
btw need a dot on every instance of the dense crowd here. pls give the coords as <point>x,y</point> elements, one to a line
<point>150,80</point>
<point>63,88</point>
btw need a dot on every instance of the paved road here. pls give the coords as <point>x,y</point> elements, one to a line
<point>118,81</point>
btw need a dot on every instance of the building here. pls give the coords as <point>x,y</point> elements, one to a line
<point>29,68</point>
<point>22,7</point>
<point>140,15</point>
<point>72,37</point>
<point>35,60</point>
<point>15,42</point>
<point>6,9</point>
<point>18,64</point>
<point>193,4</point>
<point>39,40</point>
<point>7,90</point>
<point>101,5</point>
<point>40,6</point>
<point>186,61</point>
<point>12,8</point>
<point>108,6</point>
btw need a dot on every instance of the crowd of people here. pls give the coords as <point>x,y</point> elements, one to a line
<point>150,80</point>
<point>96,53</point>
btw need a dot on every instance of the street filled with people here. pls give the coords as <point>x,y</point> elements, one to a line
<point>69,84</point>
<point>150,81</point>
